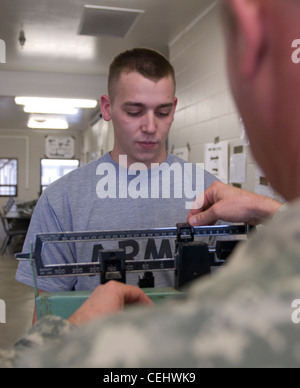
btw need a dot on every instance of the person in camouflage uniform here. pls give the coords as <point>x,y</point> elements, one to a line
<point>240,318</point>
<point>247,314</point>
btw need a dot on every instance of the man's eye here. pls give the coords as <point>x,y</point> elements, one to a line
<point>162,114</point>
<point>134,114</point>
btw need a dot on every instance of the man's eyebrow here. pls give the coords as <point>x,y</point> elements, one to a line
<point>131,103</point>
<point>140,105</point>
<point>168,105</point>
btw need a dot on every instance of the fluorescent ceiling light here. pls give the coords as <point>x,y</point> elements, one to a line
<point>76,103</point>
<point>54,105</point>
<point>47,109</point>
<point>47,123</point>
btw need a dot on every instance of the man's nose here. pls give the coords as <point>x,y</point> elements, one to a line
<point>150,124</point>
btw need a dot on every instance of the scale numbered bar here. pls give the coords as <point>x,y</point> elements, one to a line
<point>204,231</point>
<point>94,268</point>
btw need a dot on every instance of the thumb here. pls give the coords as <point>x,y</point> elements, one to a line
<point>207,217</point>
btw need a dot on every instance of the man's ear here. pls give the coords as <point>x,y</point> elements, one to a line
<point>250,31</point>
<point>175,103</point>
<point>105,107</point>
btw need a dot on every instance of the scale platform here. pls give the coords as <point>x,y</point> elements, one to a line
<point>64,304</point>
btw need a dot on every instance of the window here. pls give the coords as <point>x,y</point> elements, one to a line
<point>52,169</point>
<point>8,177</point>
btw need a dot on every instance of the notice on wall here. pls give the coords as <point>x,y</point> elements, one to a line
<point>59,147</point>
<point>216,160</point>
<point>238,165</point>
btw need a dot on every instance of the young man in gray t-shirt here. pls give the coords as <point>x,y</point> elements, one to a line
<point>137,185</point>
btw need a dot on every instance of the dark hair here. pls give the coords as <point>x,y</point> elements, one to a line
<point>149,63</point>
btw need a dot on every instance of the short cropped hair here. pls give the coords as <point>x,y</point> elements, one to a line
<point>147,62</point>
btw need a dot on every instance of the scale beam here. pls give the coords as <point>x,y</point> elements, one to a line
<point>182,232</point>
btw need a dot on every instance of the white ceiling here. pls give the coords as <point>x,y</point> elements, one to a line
<point>53,44</point>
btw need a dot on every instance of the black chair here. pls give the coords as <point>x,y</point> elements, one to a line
<point>8,205</point>
<point>10,232</point>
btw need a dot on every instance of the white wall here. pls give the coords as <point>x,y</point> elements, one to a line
<point>206,109</point>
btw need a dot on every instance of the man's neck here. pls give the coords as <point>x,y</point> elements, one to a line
<point>127,162</point>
